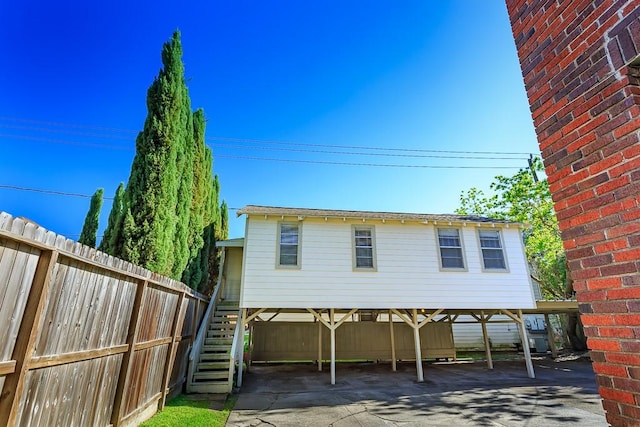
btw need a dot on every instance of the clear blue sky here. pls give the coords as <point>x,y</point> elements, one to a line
<point>410,75</point>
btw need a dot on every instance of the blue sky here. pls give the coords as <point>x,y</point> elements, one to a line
<point>288,80</point>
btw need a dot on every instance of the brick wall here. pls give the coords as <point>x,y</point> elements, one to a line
<point>584,92</point>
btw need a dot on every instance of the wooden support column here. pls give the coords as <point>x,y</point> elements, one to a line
<point>26,339</point>
<point>172,348</point>
<point>319,346</point>
<point>485,337</point>
<point>550,337</point>
<point>525,346</point>
<point>416,340</point>
<point>333,346</point>
<point>393,342</point>
<point>332,325</point>
<point>240,346</point>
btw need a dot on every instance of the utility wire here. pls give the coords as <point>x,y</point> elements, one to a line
<point>361,147</point>
<point>237,140</point>
<point>67,132</point>
<point>354,153</point>
<point>217,155</point>
<point>63,193</point>
<point>71,125</point>
<point>320,162</point>
<point>57,193</point>
<point>67,142</point>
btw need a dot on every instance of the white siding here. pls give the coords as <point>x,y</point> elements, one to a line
<point>407,274</point>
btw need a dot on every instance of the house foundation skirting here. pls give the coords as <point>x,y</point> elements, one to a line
<point>316,337</point>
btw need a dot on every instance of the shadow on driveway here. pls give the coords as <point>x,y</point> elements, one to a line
<point>453,394</point>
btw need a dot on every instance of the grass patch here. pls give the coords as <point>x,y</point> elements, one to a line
<point>182,411</point>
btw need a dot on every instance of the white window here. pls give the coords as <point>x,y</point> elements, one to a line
<point>288,245</point>
<point>492,253</point>
<point>450,248</point>
<point>364,255</point>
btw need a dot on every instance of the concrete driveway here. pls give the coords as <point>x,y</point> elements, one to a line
<point>453,394</point>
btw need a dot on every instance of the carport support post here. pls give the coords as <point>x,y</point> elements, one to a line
<point>485,337</point>
<point>240,347</point>
<point>552,342</point>
<point>393,342</point>
<point>319,346</point>
<point>525,346</point>
<point>416,339</point>
<point>333,346</point>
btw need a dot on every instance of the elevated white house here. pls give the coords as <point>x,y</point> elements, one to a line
<point>318,285</point>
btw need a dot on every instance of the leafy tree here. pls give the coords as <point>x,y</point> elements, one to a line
<point>111,241</point>
<point>522,198</point>
<point>89,232</point>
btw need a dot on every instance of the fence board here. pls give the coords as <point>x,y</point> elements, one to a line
<point>81,346</point>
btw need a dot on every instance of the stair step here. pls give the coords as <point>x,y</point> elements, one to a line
<point>202,366</point>
<point>218,341</point>
<point>223,327</point>
<point>209,387</point>
<point>213,333</point>
<point>223,319</point>
<point>214,356</point>
<point>211,375</point>
<point>216,348</point>
<point>227,310</point>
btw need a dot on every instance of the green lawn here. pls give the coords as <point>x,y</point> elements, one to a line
<point>182,411</point>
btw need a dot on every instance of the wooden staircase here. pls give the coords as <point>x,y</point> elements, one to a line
<point>213,372</point>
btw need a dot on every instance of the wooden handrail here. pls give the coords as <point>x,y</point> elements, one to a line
<point>238,336</point>
<point>202,330</point>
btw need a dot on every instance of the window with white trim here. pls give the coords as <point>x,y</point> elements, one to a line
<point>492,252</point>
<point>450,248</point>
<point>289,245</point>
<point>363,248</point>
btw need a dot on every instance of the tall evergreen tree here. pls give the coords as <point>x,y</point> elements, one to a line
<point>112,240</point>
<point>154,183</point>
<point>201,182</point>
<point>167,218</point>
<point>90,228</point>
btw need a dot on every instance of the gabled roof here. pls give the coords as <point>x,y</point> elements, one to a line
<point>325,213</point>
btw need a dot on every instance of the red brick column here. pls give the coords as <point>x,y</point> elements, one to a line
<point>578,59</point>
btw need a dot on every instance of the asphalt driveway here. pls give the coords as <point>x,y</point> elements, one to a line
<point>453,394</point>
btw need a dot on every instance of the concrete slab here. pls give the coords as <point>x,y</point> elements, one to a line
<point>454,394</point>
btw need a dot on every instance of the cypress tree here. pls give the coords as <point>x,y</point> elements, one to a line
<point>112,240</point>
<point>167,219</point>
<point>151,223</point>
<point>89,232</point>
<point>224,221</point>
<point>201,172</point>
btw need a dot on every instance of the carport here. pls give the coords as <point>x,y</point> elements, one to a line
<point>300,336</point>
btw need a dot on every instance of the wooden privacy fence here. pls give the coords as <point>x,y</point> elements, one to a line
<point>86,338</point>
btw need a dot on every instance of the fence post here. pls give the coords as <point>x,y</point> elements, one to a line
<point>26,339</point>
<point>125,367</point>
<point>171,351</point>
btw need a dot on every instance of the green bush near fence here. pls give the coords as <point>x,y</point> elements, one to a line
<point>183,411</point>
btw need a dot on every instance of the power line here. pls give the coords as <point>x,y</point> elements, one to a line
<point>67,142</point>
<point>62,193</point>
<point>361,147</point>
<point>352,153</point>
<point>54,192</point>
<point>231,139</point>
<point>66,132</point>
<point>320,162</point>
<point>71,125</point>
